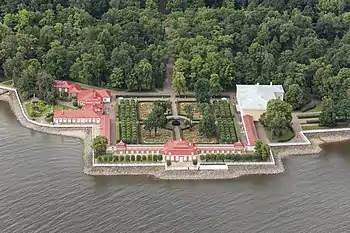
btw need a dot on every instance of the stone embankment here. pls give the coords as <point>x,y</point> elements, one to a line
<point>83,134</point>
<point>233,171</point>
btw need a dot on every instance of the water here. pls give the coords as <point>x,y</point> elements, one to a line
<point>43,189</point>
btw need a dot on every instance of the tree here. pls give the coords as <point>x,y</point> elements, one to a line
<point>215,87</point>
<point>142,75</point>
<point>99,145</point>
<point>189,113</point>
<point>156,119</point>
<point>328,115</point>
<point>278,116</point>
<point>179,83</point>
<point>294,96</point>
<point>45,88</point>
<point>207,126</point>
<point>202,88</point>
<point>116,79</point>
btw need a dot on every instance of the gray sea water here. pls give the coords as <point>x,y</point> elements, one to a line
<point>43,189</point>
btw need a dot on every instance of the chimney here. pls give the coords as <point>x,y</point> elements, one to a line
<point>270,83</point>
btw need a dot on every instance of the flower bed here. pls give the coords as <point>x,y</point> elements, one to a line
<point>129,126</point>
<point>163,136</point>
<point>193,136</point>
<point>225,121</point>
<point>197,115</point>
<point>145,108</point>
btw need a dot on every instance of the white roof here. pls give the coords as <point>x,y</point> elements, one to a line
<point>256,96</point>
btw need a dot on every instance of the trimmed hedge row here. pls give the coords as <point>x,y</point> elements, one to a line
<point>129,158</point>
<point>231,157</point>
<point>129,126</point>
<point>311,115</point>
<point>226,125</point>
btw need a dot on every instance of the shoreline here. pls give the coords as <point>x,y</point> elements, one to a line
<point>234,171</point>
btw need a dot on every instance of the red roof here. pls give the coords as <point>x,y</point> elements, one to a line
<point>105,127</point>
<point>75,88</point>
<point>250,129</point>
<point>62,84</point>
<point>94,107</point>
<point>180,147</point>
<point>92,96</point>
<point>104,93</point>
<point>75,114</point>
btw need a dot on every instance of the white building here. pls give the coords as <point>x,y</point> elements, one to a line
<point>252,99</point>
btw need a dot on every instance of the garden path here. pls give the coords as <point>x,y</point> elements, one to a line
<point>168,88</point>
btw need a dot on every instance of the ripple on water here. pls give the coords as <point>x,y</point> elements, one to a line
<point>43,189</point>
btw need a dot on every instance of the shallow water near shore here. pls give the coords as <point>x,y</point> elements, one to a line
<point>43,189</point>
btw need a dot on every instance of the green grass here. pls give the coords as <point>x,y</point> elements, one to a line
<point>317,108</point>
<point>312,127</point>
<point>7,83</point>
<point>42,109</point>
<point>62,107</point>
<point>287,136</point>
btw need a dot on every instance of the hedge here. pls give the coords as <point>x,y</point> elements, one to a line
<point>308,106</point>
<point>311,115</point>
<point>226,124</point>
<point>313,121</point>
<point>231,157</point>
<point>129,158</point>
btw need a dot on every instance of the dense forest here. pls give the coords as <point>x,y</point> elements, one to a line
<point>302,44</point>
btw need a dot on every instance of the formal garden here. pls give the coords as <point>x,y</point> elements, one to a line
<point>145,108</point>
<point>129,125</point>
<point>37,108</point>
<point>184,106</point>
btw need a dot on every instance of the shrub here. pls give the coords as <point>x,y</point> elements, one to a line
<point>127,158</point>
<point>160,157</point>
<point>138,158</point>
<point>155,158</point>
<point>202,157</point>
<point>75,103</point>
<point>194,162</point>
<point>99,158</point>
<point>149,157</point>
<point>311,115</point>
<point>168,162</point>
<point>221,157</point>
<point>115,159</point>
<point>144,157</point>
<point>121,158</point>
<point>133,158</point>
<point>228,156</point>
<point>308,106</point>
<point>313,121</point>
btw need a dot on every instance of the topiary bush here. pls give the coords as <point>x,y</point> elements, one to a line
<point>133,158</point>
<point>121,158</point>
<point>138,158</point>
<point>149,157</point>
<point>160,157</point>
<point>168,162</point>
<point>127,158</point>
<point>202,157</point>
<point>154,158</point>
<point>194,162</point>
<point>144,158</point>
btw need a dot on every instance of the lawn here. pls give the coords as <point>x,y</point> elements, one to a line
<point>193,136</point>
<point>196,113</point>
<point>287,136</point>
<point>317,108</point>
<point>7,83</point>
<point>163,136</point>
<point>312,127</point>
<point>62,107</point>
<point>41,109</point>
